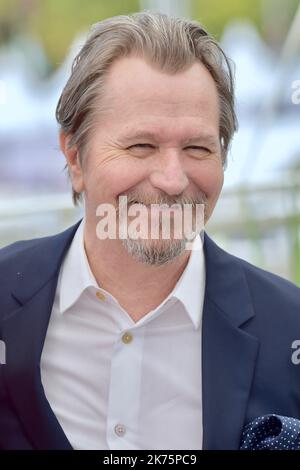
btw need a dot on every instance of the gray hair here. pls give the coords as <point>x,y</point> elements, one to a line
<point>170,43</point>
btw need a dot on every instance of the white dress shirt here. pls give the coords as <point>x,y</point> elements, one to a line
<point>116,384</point>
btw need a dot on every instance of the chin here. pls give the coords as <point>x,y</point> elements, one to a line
<point>155,252</point>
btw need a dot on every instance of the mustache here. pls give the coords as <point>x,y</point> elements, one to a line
<point>147,200</point>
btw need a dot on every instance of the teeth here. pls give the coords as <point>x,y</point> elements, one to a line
<point>160,206</point>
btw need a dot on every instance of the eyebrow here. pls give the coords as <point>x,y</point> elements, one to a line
<point>208,138</point>
<point>137,135</point>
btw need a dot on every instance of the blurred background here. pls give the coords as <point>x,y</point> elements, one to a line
<point>258,215</point>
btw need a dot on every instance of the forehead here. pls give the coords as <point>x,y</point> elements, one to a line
<point>136,92</point>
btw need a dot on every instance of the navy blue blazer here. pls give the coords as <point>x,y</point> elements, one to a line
<point>250,320</point>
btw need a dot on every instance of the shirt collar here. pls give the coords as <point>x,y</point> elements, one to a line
<point>190,288</point>
<point>76,275</point>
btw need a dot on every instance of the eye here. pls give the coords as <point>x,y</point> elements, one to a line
<point>198,148</point>
<point>141,146</point>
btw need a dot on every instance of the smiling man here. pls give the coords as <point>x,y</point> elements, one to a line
<point>138,342</point>
<point>151,147</point>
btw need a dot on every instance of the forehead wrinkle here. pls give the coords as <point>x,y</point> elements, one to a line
<point>155,136</point>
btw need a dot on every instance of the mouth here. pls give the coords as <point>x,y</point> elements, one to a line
<point>157,206</point>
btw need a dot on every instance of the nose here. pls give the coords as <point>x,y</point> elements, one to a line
<point>170,176</point>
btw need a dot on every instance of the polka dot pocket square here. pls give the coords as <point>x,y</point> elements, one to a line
<point>271,432</point>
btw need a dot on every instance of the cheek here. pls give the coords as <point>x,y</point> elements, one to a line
<point>209,179</point>
<point>125,177</point>
<point>107,179</point>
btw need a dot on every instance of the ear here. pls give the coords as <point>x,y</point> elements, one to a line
<point>73,161</point>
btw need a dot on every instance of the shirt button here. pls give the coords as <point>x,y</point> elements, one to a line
<point>127,338</point>
<point>120,430</point>
<point>100,295</point>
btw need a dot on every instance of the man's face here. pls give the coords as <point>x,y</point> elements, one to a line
<point>158,140</point>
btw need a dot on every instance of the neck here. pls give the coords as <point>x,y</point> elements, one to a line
<point>138,287</point>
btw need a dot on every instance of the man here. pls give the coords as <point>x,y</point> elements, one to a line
<point>140,343</point>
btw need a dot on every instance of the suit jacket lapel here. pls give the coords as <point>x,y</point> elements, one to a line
<point>228,352</point>
<point>24,331</point>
